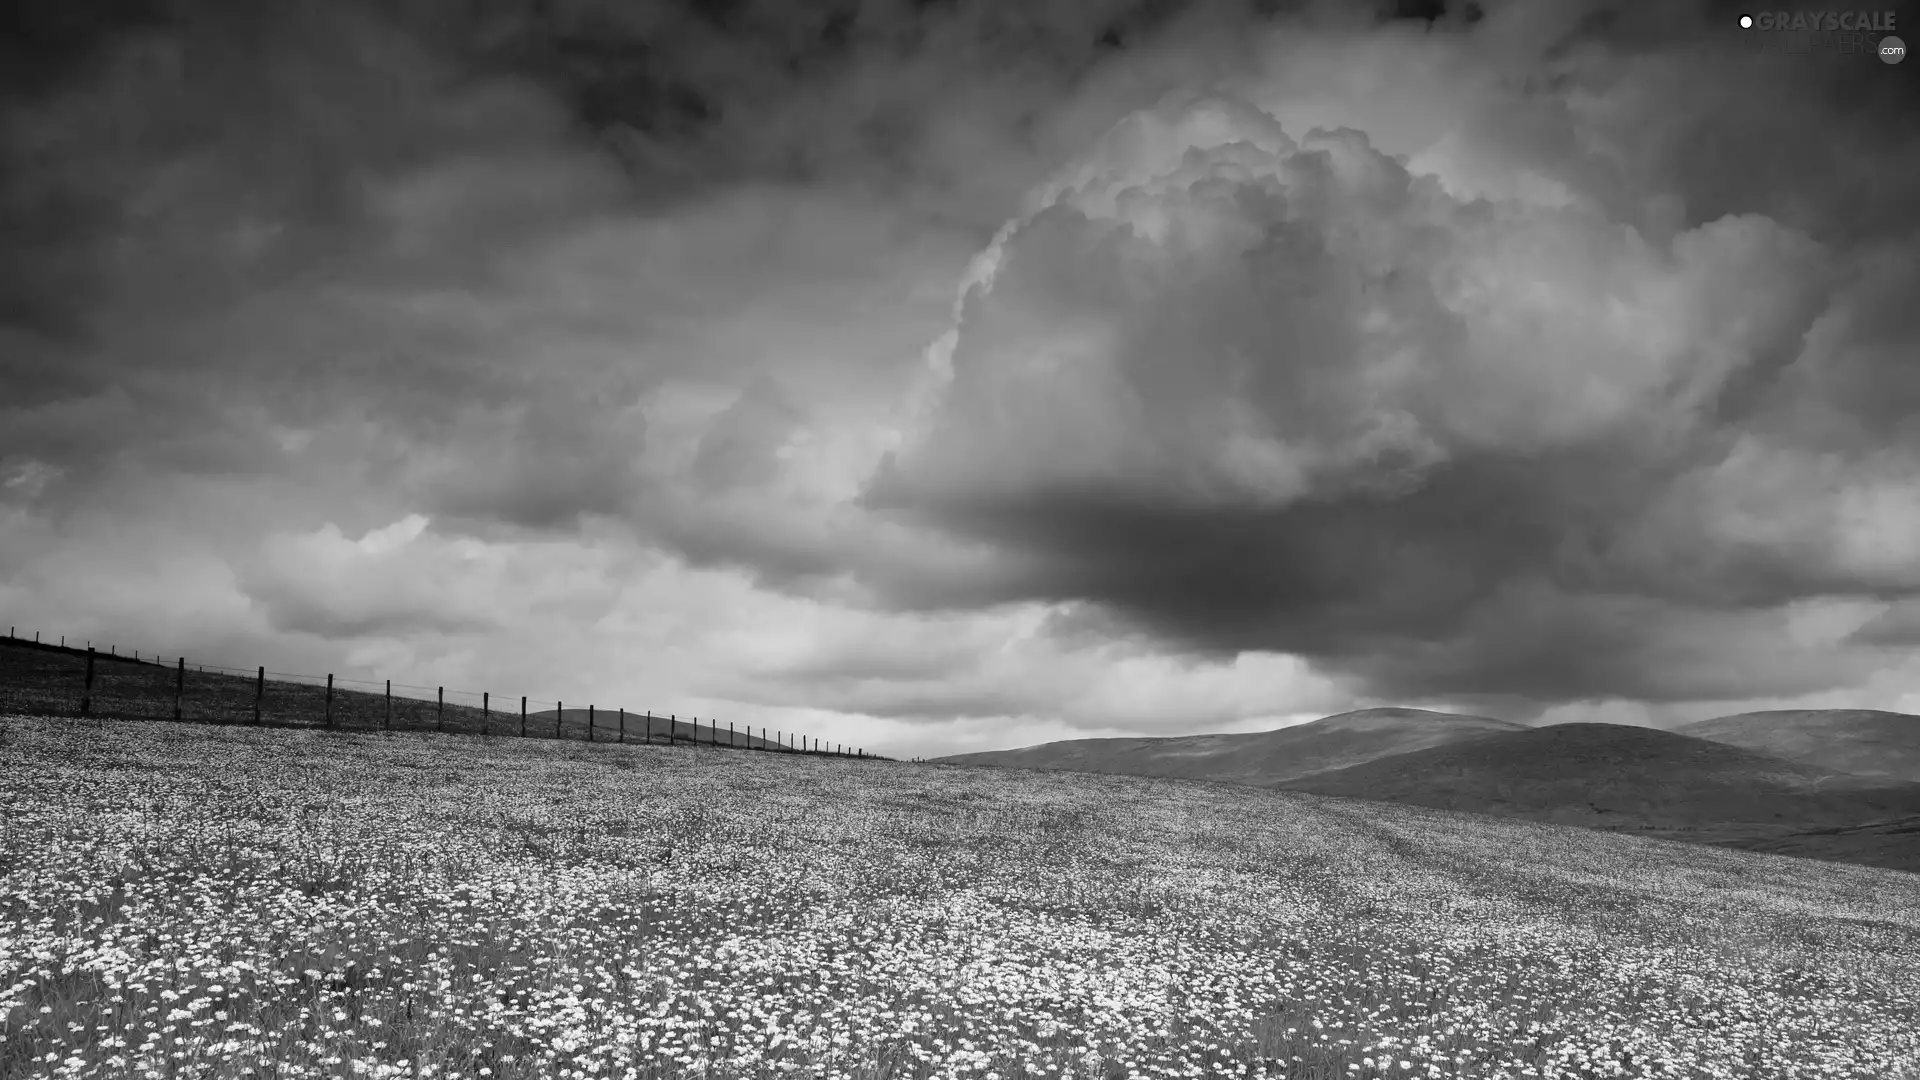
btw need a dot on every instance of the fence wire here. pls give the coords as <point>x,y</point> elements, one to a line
<point>40,677</point>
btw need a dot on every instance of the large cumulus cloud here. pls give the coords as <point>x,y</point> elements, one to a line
<point>1596,435</point>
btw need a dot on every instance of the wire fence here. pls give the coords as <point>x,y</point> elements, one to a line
<point>45,678</point>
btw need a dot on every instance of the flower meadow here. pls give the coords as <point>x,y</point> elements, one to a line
<point>199,901</point>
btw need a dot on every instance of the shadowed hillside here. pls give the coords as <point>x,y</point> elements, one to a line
<point>1865,742</point>
<point>1619,777</point>
<point>1263,757</point>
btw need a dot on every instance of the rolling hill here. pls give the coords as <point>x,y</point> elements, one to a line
<point>1865,742</point>
<point>1261,758</point>
<point>1623,778</point>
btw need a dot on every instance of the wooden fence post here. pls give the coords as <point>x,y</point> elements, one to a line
<point>623,724</point>
<point>389,704</point>
<point>329,699</point>
<point>523,716</point>
<point>559,710</point>
<point>179,686</point>
<point>486,715</point>
<point>673,721</point>
<point>731,745</point>
<point>589,721</point>
<point>86,689</point>
<point>259,691</point>
<point>649,723</point>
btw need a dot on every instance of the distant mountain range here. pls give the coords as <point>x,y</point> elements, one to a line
<point>1836,784</point>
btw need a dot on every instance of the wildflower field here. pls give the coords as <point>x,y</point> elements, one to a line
<point>202,901</point>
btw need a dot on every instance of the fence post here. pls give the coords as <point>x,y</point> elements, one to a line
<point>649,722</point>
<point>329,699</point>
<point>440,710</point>
<point>731,745</point>
<point>523,716</point>
<point>559,710</point>
<point>589,721</point>
<point>486,716</point>
<point>389,704</point>
<point>623,724</point>
<point>259,691</point>
<point>179,686</point>
<point>673,721</point>
<point>86,690</point>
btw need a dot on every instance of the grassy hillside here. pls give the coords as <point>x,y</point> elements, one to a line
<point>203,901</point>
<point>1264,757</point>
<point>1865,742</point>
<point>1614,776</point>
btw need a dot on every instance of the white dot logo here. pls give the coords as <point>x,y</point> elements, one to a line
<point>1746,22</point>
<point>1892,50</point>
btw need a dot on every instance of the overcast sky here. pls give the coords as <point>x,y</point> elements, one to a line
<point>946,376</point>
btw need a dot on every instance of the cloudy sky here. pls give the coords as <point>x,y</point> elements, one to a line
<point>955,375</point>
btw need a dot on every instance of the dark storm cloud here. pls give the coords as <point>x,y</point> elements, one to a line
<point>485,232</point>
<point>1898,626</point>
<point>397,323</point>
<point>1269,389</point>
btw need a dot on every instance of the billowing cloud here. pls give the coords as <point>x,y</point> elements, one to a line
<point>390,581</point>
<point>1283,390</point>
<point>960,375</point>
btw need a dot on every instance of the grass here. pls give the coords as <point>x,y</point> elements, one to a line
<point>197,901</point>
